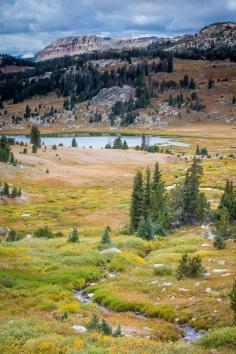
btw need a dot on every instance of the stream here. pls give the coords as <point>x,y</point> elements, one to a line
<point>190,334</point>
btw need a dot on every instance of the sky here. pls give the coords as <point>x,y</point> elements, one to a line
<point>27,26</point>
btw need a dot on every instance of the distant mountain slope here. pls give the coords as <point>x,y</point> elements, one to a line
<point>69,46</point>
<point>217,35</point>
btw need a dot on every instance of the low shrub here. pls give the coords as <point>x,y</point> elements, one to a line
<point>224,337</point>
<point>163,270</point>
<point>189,267</point>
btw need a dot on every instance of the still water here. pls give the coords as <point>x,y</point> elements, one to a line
<point>100,141</point>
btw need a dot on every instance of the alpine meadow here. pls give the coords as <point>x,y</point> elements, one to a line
<point>117,177</point>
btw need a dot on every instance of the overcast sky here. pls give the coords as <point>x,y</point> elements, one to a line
<point>27,26</point>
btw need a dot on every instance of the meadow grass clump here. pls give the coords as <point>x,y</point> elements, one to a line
<point>162,270</point>
<point>223,337</point>
<point>104,297</point>
<point>189,267</point>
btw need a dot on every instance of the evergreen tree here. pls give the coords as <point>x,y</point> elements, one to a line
<point>147,194</point>
<point>136,201</point>
<point>34,149</point>
<point>170,65</point>
<point>146,229</point>
<point>118,332</point>
<point>105,328</point>
<point>74,143</point>
<point>202,208</point>
<point>210,83</point>
<point>27,111</point>
<point>222,226</point>
<point>144,144</point>
<point>6,190</point>
<point>35,137</point>
<point>125,145</point>
<point>158,199</point>
<point>192,84</point>
<point>197,150</point>
<point>14,193</point>
<point>191,192</point>
<point>219,242</point>
<point>74,236</point>
<point>94,323</point>
<point>228,200</point>
<point>106,237</point>
<point>189,267</point>
<point>233,299</point>
<point>117,143</point>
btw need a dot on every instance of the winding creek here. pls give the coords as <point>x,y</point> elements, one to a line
<point>190,333</point>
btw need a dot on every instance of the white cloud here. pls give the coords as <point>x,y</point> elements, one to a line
<point>29,25</point>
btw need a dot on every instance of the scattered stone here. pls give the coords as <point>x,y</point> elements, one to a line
<point>220,270</point>
<point>91,295</point>
<point>183,289</point>
<point>110,250</point>
<point>167,283</point>
<point>225,275</point>
<point>158,265</point>
<point>80,329</point>
<point>221,262</point>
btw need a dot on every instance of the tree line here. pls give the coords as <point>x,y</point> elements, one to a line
<point>154,210</point>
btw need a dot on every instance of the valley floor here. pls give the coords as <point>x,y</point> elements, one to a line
<point>91,188</point>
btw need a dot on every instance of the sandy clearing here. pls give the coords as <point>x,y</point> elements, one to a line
<point>82,167</point>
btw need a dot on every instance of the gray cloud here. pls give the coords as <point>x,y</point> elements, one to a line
<point>26,26</point>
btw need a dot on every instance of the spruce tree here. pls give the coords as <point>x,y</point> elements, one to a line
<point>191,192</point>
<point>35,137</point>
<point>136,201</point>
<point>118,332</point>
<point>74,143</point>
<point>27,111</point>
<point>6,190</point>
<point>146,229</point>
<point>147,194</point>
<point>105,328</point>
<point>106,237</point>
<point>233,299</point>
<point>222,226</point>
<point>158,199</point>
<point>14,193</point>
<point>74,236</point>
<point>228,200</point>
<point>125,145</point>
<point>34,149</point>
<point>219,242</point>
<point>94,323</point>
<point>197,150</point>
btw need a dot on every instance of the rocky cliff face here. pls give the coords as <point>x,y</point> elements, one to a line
<point>214,36</point>
<point>70,46</point>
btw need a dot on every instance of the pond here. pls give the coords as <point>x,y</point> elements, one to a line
<point>99,141</point>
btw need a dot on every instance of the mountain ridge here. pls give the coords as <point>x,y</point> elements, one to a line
<point>220,34</point>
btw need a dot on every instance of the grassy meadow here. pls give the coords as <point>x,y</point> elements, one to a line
<point>91,189</point>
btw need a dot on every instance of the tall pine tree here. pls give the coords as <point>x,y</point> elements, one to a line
<point>158,200</point>
<point>136,201</point>
<point>147,194</point>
